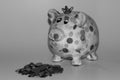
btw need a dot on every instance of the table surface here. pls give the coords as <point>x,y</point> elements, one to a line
<point>106,68</point>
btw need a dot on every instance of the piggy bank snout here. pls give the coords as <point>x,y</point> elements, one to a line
<point>56,34</point>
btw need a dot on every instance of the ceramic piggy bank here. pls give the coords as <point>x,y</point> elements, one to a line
<point>72,35</point>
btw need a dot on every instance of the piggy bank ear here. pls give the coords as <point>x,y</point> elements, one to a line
<point>81,19</point>
<point>52,15</point>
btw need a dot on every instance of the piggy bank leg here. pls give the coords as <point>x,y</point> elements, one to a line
<point>76,61</point>
<point>56,58</point>
<point>92,57</point>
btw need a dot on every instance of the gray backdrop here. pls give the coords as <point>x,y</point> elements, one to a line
<point>23,38</point>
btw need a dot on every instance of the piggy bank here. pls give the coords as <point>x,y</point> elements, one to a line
<point>72,35</point>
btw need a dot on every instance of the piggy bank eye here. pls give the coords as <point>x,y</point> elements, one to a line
<point>59,19</point>
<point>66,19</point>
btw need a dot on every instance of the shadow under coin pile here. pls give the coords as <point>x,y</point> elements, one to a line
<point>39,70</point>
